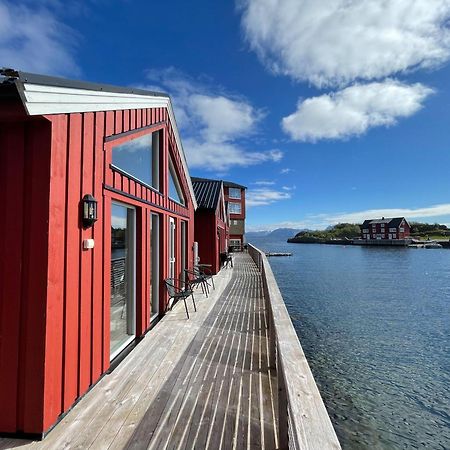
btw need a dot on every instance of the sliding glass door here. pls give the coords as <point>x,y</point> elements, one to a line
<point>171,248</point>
<point>123,277</point>
<point>183,250</point>
<point>154,265</point>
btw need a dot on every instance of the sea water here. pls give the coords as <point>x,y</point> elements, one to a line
<point>374,324</point>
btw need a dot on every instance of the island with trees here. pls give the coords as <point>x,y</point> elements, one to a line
<point>345,233</point>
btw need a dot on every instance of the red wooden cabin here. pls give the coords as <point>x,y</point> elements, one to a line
<point>211,221</point>
<point>75,296</point>
<point>393,229</point>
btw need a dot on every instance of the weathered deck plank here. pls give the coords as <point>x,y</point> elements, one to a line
<point>198,383</point>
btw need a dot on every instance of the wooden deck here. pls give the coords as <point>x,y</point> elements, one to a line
<point>190,384</point>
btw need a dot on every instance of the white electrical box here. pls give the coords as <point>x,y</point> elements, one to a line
<point>88,243</point>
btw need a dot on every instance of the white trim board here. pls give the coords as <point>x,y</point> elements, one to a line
<point>43,99</point>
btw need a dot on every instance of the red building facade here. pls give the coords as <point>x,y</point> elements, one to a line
<point>235,199</point>
<point>211,221</point>
<point>73,297</point>
<point>393,229</point>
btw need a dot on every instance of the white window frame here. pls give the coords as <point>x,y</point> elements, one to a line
<point>234,203</point>
<point>231,190</point>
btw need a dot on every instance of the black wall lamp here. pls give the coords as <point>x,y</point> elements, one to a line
<point>89,210</point>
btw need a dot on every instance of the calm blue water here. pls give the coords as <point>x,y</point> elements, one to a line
<point>375,326</point>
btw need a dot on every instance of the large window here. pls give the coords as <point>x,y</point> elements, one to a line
<point>175,191</point>
<point>234,208</point>
<point>234,193</point>
<point>123,278</point>
<point>139,158</point>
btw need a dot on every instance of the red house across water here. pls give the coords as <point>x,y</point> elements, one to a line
<point>393,229</point>
<point>98,210</point>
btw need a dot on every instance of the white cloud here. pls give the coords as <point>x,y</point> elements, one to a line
<point>322,221</point>
<point>409,213</point>
<point>223,118</point>
<point>213,122</point>
<point>353,110</point>
<point>221,156</point>
<point>290,188</point>
<point>265,196</point>
<point>264,183</point>
<point>34,39</point>
<point>334,42</point>
<point>285,170</point>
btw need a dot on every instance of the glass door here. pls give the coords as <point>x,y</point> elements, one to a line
<point>123,277</point>
<point>183,250</point>
<point>154,265</point>
<point>171,248</point>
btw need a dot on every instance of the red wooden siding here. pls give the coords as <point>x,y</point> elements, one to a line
<point>12,186</point>
<point>235,200</point>
<point>24,175</point>
<point>72,263</point>
<point>377,231</point>
<point>211,234</point>
<point>55,296</point>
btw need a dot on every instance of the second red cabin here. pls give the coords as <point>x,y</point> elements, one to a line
<point>211,222</point>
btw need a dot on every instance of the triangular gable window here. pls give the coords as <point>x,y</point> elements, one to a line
<point>175,192</point>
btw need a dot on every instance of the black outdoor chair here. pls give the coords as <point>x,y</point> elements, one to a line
<point>195,278</point>
<point>205,272</point>
<point>177,292</point>
<point>227,259</point>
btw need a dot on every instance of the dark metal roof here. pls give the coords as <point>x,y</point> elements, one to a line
<point>225,183</point>
<point>393,222</point>
<point>207,192</point>
<point>11,75</point>
<point>231,184</point>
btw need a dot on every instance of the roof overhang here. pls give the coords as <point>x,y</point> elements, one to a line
<point>43,95</point>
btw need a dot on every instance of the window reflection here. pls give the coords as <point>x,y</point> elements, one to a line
<point>139,157</point>
<point>122,277</point>
<point>175,191</point>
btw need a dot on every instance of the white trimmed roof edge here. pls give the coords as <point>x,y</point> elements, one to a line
<point>43,99</point>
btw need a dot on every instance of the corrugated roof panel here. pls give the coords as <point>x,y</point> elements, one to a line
<point>207,193</point>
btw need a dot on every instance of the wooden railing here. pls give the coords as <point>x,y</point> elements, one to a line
<point>303,419</point>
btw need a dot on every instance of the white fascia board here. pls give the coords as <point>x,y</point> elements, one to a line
<point>42,100</point>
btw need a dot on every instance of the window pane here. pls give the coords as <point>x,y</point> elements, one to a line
<point>175,192</point>
<point>135,158</point>
<point>122,277</point>
<point>234,208</point>
<point>234,193</point>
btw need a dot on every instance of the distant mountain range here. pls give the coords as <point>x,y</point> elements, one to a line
<point>276,235</point>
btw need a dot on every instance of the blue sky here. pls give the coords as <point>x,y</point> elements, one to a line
<point>327,111</point>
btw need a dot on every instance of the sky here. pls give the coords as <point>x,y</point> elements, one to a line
<point>328,111</point>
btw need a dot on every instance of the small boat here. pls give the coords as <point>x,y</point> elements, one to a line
<point>278,254</point>
<point>433,245</point>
